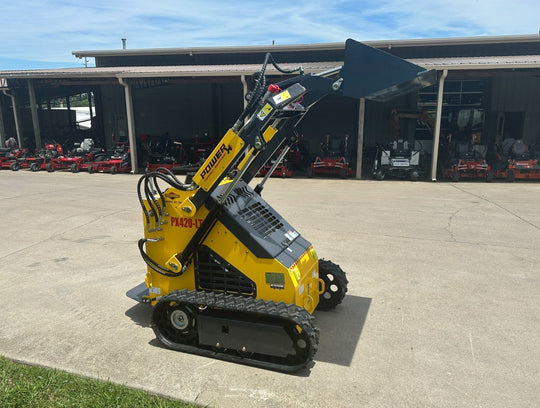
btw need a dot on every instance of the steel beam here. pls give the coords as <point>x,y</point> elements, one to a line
<point>360,144</point>
<point>16,117</point>
<point>34,111</point>
<point>131,125</point>
<point>437,131</point>
<point>2,127</point>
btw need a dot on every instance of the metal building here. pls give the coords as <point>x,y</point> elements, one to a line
<point>198,92</point>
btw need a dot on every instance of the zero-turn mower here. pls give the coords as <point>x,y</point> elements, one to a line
<point>118,162</point>
<point>401,158</point>
<point>228,277</point>
<point>520,162</point>
<point>11,157</point>
<point>468,162</point>
<point>333,158</point>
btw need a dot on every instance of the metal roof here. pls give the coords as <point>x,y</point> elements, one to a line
<point>457,63</point>
<point>474,63</point>
<point>160,71</point>
<point>503,39</point>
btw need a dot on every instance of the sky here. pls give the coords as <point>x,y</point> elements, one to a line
<point>37,34</point>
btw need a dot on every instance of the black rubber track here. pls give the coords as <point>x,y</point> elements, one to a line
<point>290,316</point>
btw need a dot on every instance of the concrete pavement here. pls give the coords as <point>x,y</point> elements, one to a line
<point>442,309</point>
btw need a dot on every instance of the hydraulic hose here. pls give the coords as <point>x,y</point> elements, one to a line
<point>149,182</point>
<point>253,97</point>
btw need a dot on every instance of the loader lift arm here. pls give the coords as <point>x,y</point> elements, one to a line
<point>272,118</point>
<point>366,73</point>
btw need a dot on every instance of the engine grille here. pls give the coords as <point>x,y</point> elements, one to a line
<point>214,273</point>
<point>261,218</point>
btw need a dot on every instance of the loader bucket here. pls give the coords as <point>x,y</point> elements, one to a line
<point>374,74</point>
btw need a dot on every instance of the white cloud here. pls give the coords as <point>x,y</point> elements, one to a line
<point>49,31</point>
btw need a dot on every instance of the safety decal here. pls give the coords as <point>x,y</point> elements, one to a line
<point>291,235</point>
<point>266,109</point>
<point>282,97</point>
<point>276,280</point>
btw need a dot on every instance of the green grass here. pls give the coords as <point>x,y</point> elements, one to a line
<point>27,386</point>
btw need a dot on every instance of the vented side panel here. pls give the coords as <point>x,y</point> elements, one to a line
<point>215,274</point>
<point>237,192</point>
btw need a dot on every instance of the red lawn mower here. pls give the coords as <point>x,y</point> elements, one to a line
<point>118,162</point>
<point>333,158</point>
<point>467,156</point>
<point>84,153</point>
<point>11,157</point>
<point>55,159</point>
<point>522,163</point>
<point>282,170</point>
<point>163,153</point>
<point>294,159</point>
<point>468,162</point>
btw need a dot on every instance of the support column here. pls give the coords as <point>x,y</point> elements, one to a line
<point>437,130</point>
<point>244,89</point>
<point>17,118</point>
<point>49,117</point>
<point>2,127</point>
<point>131,125</point>
<point>34,111</point>
<point>360,144</point>
<point>70,120</point>
<point>90,105</point>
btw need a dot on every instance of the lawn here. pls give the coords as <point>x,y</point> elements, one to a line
<point>28,386</point>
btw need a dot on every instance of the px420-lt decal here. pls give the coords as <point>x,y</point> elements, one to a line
<point>184,222</point>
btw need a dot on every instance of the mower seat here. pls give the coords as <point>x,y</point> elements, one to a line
<point>400,147</point>
<point>335,147</point>
<point>464,152</point>
<point>520,150</point>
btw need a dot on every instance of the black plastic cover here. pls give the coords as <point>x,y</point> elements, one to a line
<point>259,226</point>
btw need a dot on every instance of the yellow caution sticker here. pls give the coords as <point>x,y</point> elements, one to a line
<point>266,109</point>
<point>282,97</point>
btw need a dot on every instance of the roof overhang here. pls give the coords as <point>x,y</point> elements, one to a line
<point>484,63</point>
<point>161,71</point>
<point>194,71</point>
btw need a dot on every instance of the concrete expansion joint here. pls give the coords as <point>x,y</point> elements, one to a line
<point>499,206</point>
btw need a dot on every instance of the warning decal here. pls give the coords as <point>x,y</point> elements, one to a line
<point>266,109</point>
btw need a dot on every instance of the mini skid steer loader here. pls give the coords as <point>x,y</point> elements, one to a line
<point>227,276</point>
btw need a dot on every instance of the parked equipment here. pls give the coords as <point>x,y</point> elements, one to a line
<point>53,158</point>
<point>118,162</point>
<point>468,162</point>
<point>11,157</point>
<point>278,167</point>
<point>520,161</point>
<point>285,163</point>
<point>522,164</point>
<point>397,159</point>
<point>227,276</point>
<point>401,158</point>
<point>466,155</point>
<point>333,159</point>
